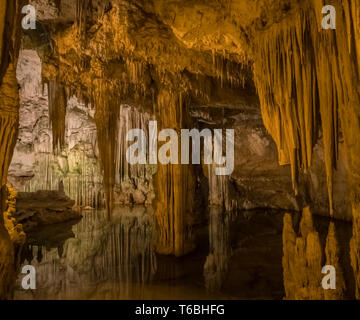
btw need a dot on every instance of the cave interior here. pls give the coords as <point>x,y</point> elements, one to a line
<point>92,70</point>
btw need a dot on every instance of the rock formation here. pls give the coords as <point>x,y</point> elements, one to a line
<point>9,119</point>
<point>94,69</point>
<point>41,208</point>
<point>304,256</point>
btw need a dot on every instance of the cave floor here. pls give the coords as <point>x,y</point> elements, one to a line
<point>94,258</point>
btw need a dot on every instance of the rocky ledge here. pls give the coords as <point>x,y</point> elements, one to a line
<point>44,207</point>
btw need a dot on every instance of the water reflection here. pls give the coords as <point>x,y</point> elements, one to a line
<point>101,255</point>
<point>216,265</point>
<point>250,255</point>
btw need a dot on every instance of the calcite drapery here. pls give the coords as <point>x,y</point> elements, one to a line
<point>174,183</point>
<point>303,72</point>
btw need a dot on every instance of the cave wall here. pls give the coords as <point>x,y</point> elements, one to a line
<point>35,166</point>
<point>9,118</point>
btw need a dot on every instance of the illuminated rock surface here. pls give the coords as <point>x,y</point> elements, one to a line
<point>95,69</point>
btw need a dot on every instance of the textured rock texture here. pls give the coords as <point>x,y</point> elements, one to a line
<point>165,57</point>
<point>35,166</point>
<point>258,180</point>
<point>306,252</point>
<point>9,119</point>
<point>34,209</point>
<point>13,227</point>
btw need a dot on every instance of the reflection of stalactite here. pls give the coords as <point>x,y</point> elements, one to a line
<point>57,113</point>
<point>129,118</point>
<point>83,187</point>
<point>302,259</point>
<point>299,72</point>
<point>174,184</point>
<point>224,70</point>
<point>116,257</point>
<point>216,265</point>
<point>10,36</point>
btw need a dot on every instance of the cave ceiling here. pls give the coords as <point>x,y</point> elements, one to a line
<point>142,45</point>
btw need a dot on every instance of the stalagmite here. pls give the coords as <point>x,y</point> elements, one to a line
<point>217,262</point>
<point>106,118</point>
<point>333,256</point>
<point>302,259</point>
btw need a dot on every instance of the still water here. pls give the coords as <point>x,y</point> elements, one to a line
<point>248,255</point>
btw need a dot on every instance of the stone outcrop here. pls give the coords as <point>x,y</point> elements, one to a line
<point>35,209</point>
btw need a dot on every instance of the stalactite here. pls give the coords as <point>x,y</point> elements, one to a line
<point>174,183</point>
<point>57,113</point>
<point>107,108</point>
<point>9,123</point>
<point>302,71</point>
<point>129,118</point>
<point>224,70</point>
<point>287,92</point>
<point>84,187</point>
<point>219,190</point>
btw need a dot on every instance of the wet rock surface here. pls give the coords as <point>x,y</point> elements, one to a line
<point>244,256</point>
<point>42,208</point>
